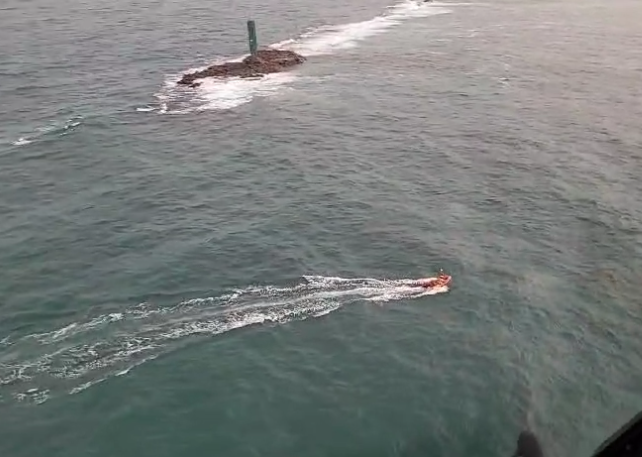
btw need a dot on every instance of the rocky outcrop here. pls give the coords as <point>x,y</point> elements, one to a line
<point>265,61</point>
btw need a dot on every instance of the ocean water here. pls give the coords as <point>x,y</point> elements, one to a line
<point>227,271</point>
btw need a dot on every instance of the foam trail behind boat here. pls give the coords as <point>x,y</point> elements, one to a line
<point>81,354</point>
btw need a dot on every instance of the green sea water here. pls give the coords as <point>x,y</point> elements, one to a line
<point>227,272</point>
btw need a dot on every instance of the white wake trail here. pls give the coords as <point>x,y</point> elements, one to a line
<point>81,354</point>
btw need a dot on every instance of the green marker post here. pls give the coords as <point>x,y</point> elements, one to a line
<point>251,32</point>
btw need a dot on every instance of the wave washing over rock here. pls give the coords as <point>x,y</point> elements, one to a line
<point>264,62</point>
<point>227,92</point>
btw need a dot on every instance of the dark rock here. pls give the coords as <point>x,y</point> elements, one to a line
<point>266,61</point>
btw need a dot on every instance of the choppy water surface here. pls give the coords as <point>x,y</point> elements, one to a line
<point>229,270</point>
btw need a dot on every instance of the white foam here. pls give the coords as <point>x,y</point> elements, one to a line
<point>329,39</point>
<point>33,395</point>
<point>59,128</point>
<point>75,328</point>
<point>82,354</point>
<point>226,94</point>
<point>217,94</point>
<point>21,142</point>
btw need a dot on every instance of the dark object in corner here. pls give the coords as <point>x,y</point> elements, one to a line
<point>625,442</point>
<point>528,445</point>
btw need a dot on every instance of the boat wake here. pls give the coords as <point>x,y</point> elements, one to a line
<point>35,367</point>
<point>216,94</point>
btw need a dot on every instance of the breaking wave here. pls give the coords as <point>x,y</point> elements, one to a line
<point>70,359</point>
<point>230,93</point>
<point>331,38</point>
<point>55,128</point>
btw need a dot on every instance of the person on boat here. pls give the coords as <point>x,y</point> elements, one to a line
<point>441,280</point>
